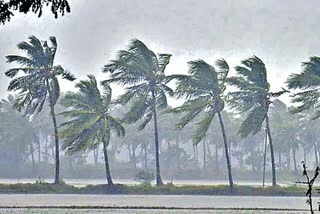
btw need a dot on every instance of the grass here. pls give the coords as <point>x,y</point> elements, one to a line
<point>168,189</point>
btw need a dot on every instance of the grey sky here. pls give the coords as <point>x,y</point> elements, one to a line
<point>282,33</point>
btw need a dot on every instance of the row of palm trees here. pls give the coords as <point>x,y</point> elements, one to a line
<point>142,73</point>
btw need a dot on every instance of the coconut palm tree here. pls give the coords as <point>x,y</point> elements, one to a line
<point>91,122</point>
<point>308,82</point>
<point>253,98</point>
<point>203,90</point>
<point>142,72</point>
<point>36,80</point>
<point>17,133</point>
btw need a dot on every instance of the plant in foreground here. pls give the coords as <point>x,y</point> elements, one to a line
<point>310,183</point>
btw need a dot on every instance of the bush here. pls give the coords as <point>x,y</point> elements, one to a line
<point>144,177</point>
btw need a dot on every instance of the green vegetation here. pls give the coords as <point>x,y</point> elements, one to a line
<point>141,71</point>
<point>38,83</point>
<point>167,189</point>
<point>90,122</point>
<point>184,140</point>
<point>253,97</point>
<point>203,89</point>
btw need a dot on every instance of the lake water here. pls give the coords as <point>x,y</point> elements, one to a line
<point>19,203</point>
<point>84,182</point>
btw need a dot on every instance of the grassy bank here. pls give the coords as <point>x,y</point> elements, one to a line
<point>47,188</point>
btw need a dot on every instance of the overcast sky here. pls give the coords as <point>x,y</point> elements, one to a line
<point>282,33</point>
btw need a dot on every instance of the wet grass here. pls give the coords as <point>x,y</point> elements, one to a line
<point>168,189</point>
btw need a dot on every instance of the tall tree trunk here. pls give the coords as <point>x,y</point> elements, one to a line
<point>156,140</point>
<point>280,160</point>
<point>226,150</point>
<point>204,154</point>
<point>273,167</point>
<point>178,153</point>
<point>316,154</point>
<point>217,158</point>
<point>134,160</point>
<point>305,155</point>
<point>39,148</point>
<point>106,162</point>
<point>294,158</point>
<point>264,157</point>
<point>96,156</point>
<point>288,160</point>
<point>129,153</point>
<point>145,157</point>
<point>197,154</point>
<point>46,150</point>
<point>32,154</point>
<point>194,155</point>
<point>209,151</point>
<point>56,138</point>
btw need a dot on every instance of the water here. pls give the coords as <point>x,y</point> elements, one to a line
<point>84,182</point>
<point>19,203</point>
<point>124,204</point>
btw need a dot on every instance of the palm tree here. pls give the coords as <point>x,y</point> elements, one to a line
<point>36,80</point>
<point>308,82</point>
<point>203,89</point>
<point>17,133</point>
<point>91,122</point>
<point>142,72</point>
<point>254,98</point>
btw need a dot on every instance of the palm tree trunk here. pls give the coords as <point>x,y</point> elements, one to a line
<point>156,140</point>
<point>204,154</point>
<point>32,155</point>
<point>129,153</point>
<point>294,159</point>
<point>288,160</point>
<point>39,148</point>
<point>226,150</point>
<point>46,150</point>
<point>56,138</point>
<point>280,160</point>
<point>145,157</point>
<point>178,153</point>
<point>217,158</point>
<point>273,167</point>
<point>316,154</point>
<point>106,163</point>
<point>264,157</point>
<point>95,156</point>
<point>134,161</point>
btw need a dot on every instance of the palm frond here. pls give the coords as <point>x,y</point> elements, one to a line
<point>203,126</point>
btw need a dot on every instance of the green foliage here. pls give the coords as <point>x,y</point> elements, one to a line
<point>308,82</point>
<point>144,177</point>
<point>36,75</point>
<point>253,95</point>
<point>142,72</point>
<point>90,121</point>
<point>8,7</point>
<point>17,133</point>
<point>203,90</point>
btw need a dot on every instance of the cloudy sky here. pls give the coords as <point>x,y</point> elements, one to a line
<point>282,33</point>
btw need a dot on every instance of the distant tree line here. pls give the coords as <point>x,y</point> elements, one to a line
<point>242,121</point>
